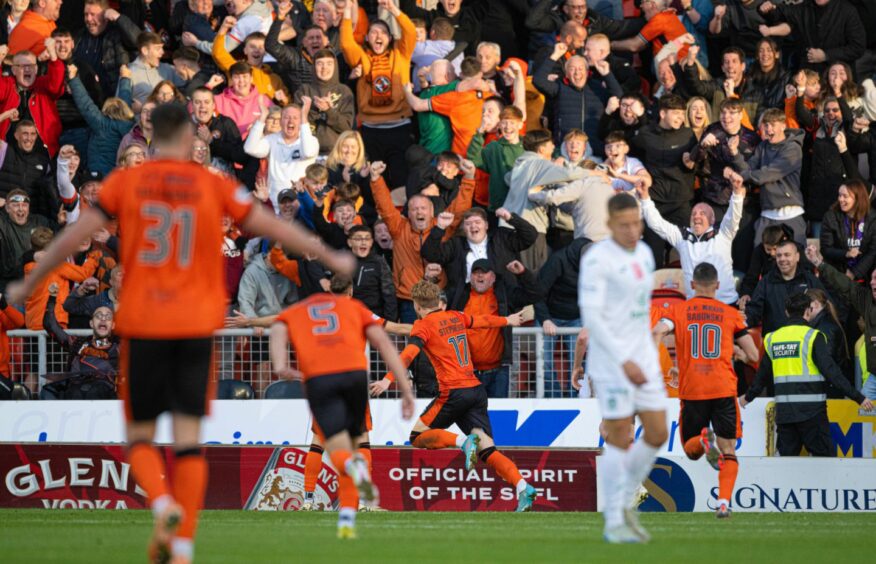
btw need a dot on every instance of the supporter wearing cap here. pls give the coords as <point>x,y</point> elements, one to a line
<point>288,200</point>
<point>15,230</point>
<point>494,293</point>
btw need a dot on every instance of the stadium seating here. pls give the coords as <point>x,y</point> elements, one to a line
<point>285,389</point>
<point>234,389</point>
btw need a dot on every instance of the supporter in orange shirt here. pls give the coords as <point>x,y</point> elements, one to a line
<point>463,106</point>
<point>663,26</point>
<point>705,332</point>
<point>10,318</point>
<point>35,26</point>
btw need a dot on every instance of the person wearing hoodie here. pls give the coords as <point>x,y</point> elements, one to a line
<point>578,100</point>
<point>241,101</point>
<point>703,241</point>
<point>775,168</point>
<point>384,113</point>
<point>295,65</point>
<point>263,290</point>
<point>265,81</point>
<point>534,168</point>
<point>333,106</point>
<point>588,198</point>
<point>372,280</point>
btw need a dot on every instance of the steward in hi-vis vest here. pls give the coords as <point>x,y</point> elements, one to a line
<point>798,359</point>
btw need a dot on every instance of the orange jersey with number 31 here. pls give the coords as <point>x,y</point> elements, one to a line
<point>705,332</point>
<point>170,216</point>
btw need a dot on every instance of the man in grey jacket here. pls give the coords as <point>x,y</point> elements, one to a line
<point>535,168</point>
<point>775,167</point>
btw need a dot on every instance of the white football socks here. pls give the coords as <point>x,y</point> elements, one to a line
<point>639,460</point>
<point>613,475</point>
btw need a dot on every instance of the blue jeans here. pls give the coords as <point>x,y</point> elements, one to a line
<point>495,381</point>
<point>556,383</point>
<point>406,312</point>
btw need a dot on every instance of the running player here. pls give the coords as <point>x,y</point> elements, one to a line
<point>462,398</point>
<point>170,213</point>
<point>330,331</point>
<point>705,331</point>
<point>614,294</point>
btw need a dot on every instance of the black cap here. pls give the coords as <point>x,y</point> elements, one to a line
<point>482,265</point>
<point>287,194</point>
<point>92,176</point>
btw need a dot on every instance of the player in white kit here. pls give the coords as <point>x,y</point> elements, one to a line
<point>614,294</point>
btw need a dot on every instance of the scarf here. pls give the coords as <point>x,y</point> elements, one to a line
<point>381,78</point>
<point>854,238</point>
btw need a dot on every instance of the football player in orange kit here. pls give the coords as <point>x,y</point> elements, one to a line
<point>462,398</point>
<point>330,332</point>
<point>170,213</point>
<point>705,332</point>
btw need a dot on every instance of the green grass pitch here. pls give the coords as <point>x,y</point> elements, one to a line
<point>237,536</point>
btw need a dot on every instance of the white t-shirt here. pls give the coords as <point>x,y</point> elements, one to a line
<point>614,294</point>
<point>476,251</point>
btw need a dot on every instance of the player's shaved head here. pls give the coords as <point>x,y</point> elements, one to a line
<point>705,273</point>
<point>169,122</point>
<point>426,294</point>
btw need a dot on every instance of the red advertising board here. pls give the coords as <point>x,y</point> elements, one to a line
<point>270,478</point>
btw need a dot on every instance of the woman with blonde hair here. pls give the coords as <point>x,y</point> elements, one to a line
<point>108,124</point>
<point>698,115</point>
<point>348,164</point>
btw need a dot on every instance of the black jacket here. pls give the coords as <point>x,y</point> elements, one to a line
<point>108,51</point>
<point>772,86</point>
<point>559,278</point>
<point>32,172</point>
<point>14,243</point>
<point>864,143</point>
<point>85,355</point>
<point>373,286</point>
<point>838,348</point>
<point>861,299</point>
<point>835,235</point>
<point>293,66</point>
<point>661,150</point>
<point>332,233</point>
<point>577,108</point>
<point>716,189</point>
<point>835,28</point>
<point>767,305</point>
<point>503,246</point>
<point>613,122</point>
<point>69,113</point>
<point>827,168</point>
<point>546,17</point>
<point>762,263</point>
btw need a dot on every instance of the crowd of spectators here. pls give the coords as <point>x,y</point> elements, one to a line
<point>471,142</point>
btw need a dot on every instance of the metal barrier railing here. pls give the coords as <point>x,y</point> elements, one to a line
<point>540,365</point>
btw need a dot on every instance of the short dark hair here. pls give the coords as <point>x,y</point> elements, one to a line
<point>472,212</point>
<point>148,38</point>
<point>773,235</point>
<point>61,32</point>
<point>535,139</point>
<point>340,284</point>
<point>469,67</point>
<point>672,102</point>
<point>734,51</point>
<point>705,273</point>
<point>240,67</point>
<point>797,304</point>
<point>447,157</point>
<point>168,120</point>
<point>621,202</point>
<point>616,137</point>
<point>359,229</point>
<point>186,54</point>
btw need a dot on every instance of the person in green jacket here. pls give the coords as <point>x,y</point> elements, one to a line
<point>497,158</point>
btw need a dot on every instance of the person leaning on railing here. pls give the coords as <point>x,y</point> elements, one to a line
<point>93,361</point>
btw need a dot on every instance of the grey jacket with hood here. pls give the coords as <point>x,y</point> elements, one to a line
<point>775,167</point>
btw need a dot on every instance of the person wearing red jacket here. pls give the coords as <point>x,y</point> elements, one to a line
<point>42,94</point>
<point>10,318</point>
